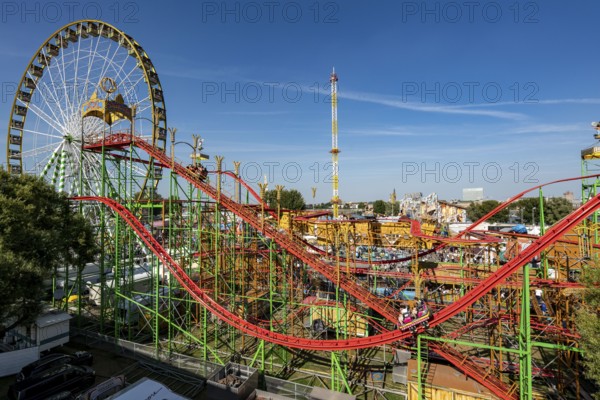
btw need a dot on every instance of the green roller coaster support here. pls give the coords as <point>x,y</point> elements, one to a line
<point>338,375</point>
<point>288,294</point>
<point>555,346</point>
<point>171,236</point>
<point>103,291</point>
<point>191,244</point>
<point>525,371</point>
<point>259,351</point>
<point>217,243</point>
<point>204,333</point>
<point>470,344</point>
<point>541,212</point>
<point>588,190</point>
<point>543,258</point>
<point>116,276</point>
<point>154,263</point>
<point>217,265</point>
<point>183,331</point>
<point>419,369</point>
<point>272,288</point>
<point>272,283</point>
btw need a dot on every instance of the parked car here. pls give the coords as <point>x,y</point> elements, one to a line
<point>53,381</point>
<point>54,360</point>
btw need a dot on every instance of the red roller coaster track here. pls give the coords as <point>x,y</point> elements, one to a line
<point>296,249</point>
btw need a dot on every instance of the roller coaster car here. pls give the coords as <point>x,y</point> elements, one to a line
<point>410,324</point>
<point>199,171</point>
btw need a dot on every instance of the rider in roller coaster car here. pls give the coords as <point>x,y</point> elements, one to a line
<point>417,316</point>
<point>199,170</point>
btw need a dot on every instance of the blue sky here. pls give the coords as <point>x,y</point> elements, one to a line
<point>432,98</point>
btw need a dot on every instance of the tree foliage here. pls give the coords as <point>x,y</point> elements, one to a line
<point>38,233</point>
<point>555,209</point>
<point>479,209</point>
<point>290,199</point>
<point>379,207</point>
<point>527,210</point>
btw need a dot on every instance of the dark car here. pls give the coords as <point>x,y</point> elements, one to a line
<point>53,381</point>
<point>54,360</point>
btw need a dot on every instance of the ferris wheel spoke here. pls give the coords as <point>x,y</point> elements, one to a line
<point>77,56</point>
<point>41,150</point>
<point>129,87</point>
<point>109,62</point>
<point>51,161</point>
<point>54,96</point>
<point>87,179</point>
<point>130,93</point>
<point>119,72</point>
<point>38,133</point>
<point>62,74</point>
<point>41,91</point>
<point>91,129</point>
<point>147,105</point>
<point>76,101</point>
<point>74,170</point>
<point>50,102</point>
<point>93,57</point>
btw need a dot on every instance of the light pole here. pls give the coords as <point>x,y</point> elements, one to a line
<point>521,210</point>
<point>279,189</point>
<point>172,131</point>
<point>533,215</point>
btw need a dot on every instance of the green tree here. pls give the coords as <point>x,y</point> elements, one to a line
<point>39,232</point>
<point>478,210</point>
<point>588,325</point>
<point>290,199</point>
<point>528,209</point>
<point>556,208</point>
<point>379,207</point>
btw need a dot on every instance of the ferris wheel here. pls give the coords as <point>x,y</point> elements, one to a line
<point>79,63</point>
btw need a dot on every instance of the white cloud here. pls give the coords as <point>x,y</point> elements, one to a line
<point>397,102</point>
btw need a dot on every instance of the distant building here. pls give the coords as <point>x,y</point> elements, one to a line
<point>570,197</point>
<point>451,213</point>
<point>472,194</point>
<point>351,205</point>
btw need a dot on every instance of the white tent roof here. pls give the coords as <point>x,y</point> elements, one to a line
<point>52,318</point>
<point>146,389</point>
